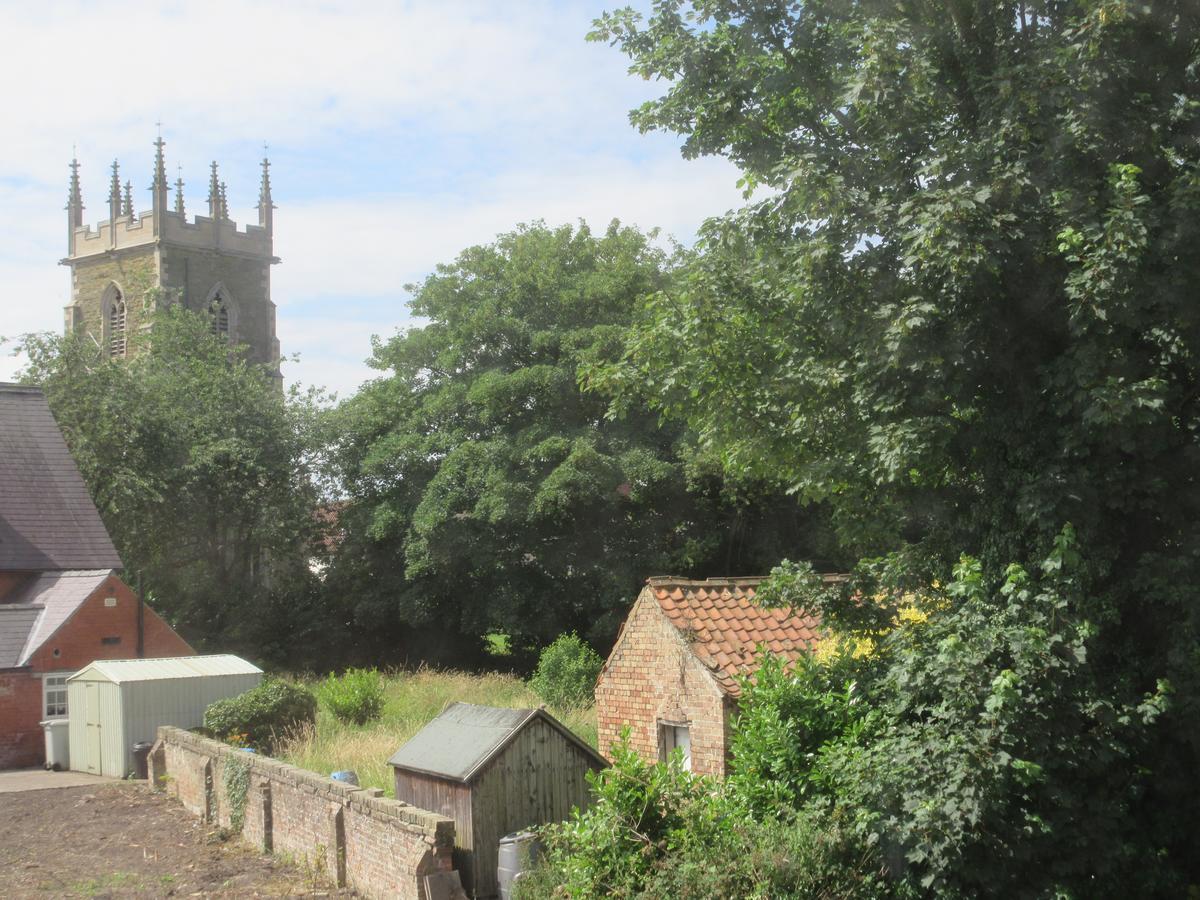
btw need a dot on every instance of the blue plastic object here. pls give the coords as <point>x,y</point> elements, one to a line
<point>346,777</point>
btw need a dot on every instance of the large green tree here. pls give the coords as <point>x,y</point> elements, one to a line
<point>964,315</point>
<point>202,472</point>
<point>486,491</point>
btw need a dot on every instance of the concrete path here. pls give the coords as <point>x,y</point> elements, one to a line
<point>14,780</point>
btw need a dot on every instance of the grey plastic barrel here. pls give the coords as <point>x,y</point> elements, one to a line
<point>141,759</point>
<point>518,853</point>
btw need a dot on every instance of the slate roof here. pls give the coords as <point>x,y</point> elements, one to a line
<point>36,610</point>
<point>465,738</point>
<point>47,518</point>
<point>15,624</point>
<point>724,627</point>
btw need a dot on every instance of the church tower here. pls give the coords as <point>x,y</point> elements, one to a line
<point>135,263</point>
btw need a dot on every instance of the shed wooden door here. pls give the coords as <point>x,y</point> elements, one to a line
<point>91,704</point>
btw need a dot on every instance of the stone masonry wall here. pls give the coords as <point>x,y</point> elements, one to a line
<point>135,272</point>
<point>357,838</point>
<point>652,677</point>
<point>191,274</point>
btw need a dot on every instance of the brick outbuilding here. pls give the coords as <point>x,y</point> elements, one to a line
<point>672,676</point>
<point>62,603</point>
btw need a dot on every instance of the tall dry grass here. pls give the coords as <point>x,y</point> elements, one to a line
<point>412,699</point>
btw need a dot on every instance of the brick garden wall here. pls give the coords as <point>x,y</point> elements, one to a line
<point>379,847</point>
<point>651,676</point>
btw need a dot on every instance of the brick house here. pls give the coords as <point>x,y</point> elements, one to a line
<point>62,603</point>
<point>672,675</point>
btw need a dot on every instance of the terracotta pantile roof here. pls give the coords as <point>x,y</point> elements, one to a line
<point>724,626</point>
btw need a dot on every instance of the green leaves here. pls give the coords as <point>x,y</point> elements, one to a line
<point>202,470</point>
<point>495,491</point>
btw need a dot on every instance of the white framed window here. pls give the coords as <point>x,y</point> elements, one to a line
<point>54,694</point>
<point>672,736</point>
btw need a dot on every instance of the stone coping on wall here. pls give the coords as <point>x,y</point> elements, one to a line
<point>409,843</point>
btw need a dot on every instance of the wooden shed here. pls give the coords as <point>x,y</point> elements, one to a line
<point>115,703</point>
<point>494,771</point>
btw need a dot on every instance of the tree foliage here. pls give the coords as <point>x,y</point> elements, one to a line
<point>486,491</point>
<point>202,472</point>
<point>963,316</point>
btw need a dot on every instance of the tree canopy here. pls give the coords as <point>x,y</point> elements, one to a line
<point>962,313</point>
<point>203,474</point>
<point>486,491</point>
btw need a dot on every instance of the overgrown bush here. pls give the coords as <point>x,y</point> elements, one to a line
<point>656,830</point>
<point>262,715</point>
<point>355,698</point>
<point>566,673</point>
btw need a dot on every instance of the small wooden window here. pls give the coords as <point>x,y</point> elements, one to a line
<point>117,344</point>
<point>673,736</point>
<point>219,314</point>
<point>54,692</point>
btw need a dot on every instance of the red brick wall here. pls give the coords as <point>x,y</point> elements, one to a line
<point>22,743</point>
<point>80,640</point>
<point>379,847</point>
<point>651,676</point>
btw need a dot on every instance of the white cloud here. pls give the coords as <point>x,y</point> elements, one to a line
<point>402,133</point>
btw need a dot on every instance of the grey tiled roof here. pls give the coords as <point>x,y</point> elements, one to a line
<point>15,624</point>
<point>47,518</point>
<point>36,610</point>
<point>459,742</point>
<point>59,594</point>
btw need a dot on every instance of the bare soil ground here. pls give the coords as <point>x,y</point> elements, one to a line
<point>122,840</point>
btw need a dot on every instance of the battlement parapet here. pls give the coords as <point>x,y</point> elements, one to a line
<point>123,229</point>
<point>202,233</point>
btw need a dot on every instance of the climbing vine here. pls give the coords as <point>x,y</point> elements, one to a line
<point>236,776</point>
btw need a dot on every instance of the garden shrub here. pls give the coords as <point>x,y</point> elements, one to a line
<point>656,830</point>
<point>356,698</point>
<point>566,672</point>
<point>262,715</point>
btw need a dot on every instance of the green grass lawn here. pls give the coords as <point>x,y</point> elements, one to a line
<point>412,699</point>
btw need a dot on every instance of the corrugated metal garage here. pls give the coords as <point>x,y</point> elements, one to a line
<point>115,703</point>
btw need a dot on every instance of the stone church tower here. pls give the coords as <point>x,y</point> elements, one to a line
<point>135,263</point>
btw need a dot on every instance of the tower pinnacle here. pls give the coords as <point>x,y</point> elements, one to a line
<point>179,211</point>
<point>75,197</point>
<point>114,194</point>
<point>127,206</point>
<point>74,206</point>
<point>266,215</point>
<point>214,193</point>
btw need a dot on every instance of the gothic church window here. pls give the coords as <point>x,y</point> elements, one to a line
<point>220,317</point>
<point>116,327</point>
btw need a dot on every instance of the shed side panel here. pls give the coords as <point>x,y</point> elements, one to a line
<point>174,701</point>
<point>449,798</point>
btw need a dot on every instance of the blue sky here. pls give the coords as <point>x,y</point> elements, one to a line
<point>399,134</point>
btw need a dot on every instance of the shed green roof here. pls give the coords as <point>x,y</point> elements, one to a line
<point>465,737</point>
